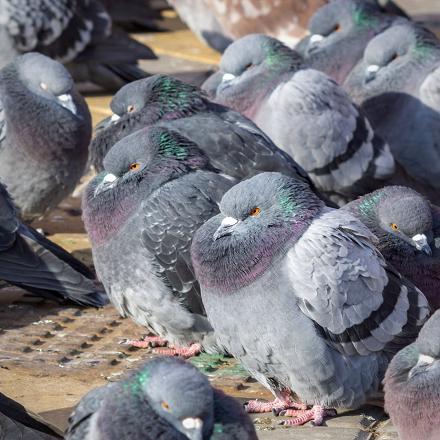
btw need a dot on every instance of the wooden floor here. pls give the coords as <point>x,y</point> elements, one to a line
<point>51,355</point>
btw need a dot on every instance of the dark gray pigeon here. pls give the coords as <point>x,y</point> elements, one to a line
<point>397,83</point>
<point>29,260</point>
<point>301,296</point>
<point>411,385</point>
<point>18,423</point>
<point>307,115</point>
<point>76,33</point>
<point>340,30</point>
<point>233,143</point>
<point>45,129</point>
<point>167,399</point>
<point>408,229</point>
<point>141,213</point>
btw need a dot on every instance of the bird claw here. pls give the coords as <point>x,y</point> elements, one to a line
<point>316,415</point>
<point>185,352</point>
<point>146,342</point>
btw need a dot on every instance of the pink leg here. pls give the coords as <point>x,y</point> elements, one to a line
<point>185,352</point>
<point>146,342</point>
<point>316,415</point>
<point>282,402</point>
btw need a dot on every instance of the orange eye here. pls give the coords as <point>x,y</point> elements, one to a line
<point>337,28</point>
<point>135,166</point>
<point>130,108</point>
<point>254,212</point>
<point>165,406</point>
<point>394,226</point>
<point>43,85</point>
<point>249,66</point>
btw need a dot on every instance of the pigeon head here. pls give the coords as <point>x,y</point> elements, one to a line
<point>46,78</point>
<point>178,393</point>
<point>142,103</point>
<point>134,167</point>
<point>258,217</point>
<point>400,217</point>
<point>389,58</point>
<point>251,68</point>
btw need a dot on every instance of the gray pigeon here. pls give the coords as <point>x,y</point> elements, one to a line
<point>29,260</point>
<point>408,229</point>
<point>340,30</point>
<point>411,385</point>
<point>233,143</point>
<point>397,83</point>
<point>45,129</point>
<point>76,33</point>
<point>307,115</point>
<point>18,423</point>
<point>299,294</point>
<point>167,399</point>
<point>141,213</point>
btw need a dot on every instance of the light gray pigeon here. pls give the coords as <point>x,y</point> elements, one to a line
<point>167,399</point>
<point>408,229</point>
<point>397,83</point>
<point>300,295</point>
<point>45,129</point>
<point>18,423</point>
<point>141,213</point>
<point>307,115</point>
<point>29,260</point>
<point>340,30</point>
<point>76,33</point>
<point>411,385</point>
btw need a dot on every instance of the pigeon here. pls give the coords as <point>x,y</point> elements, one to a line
<point>18,423</point>
<point>408,228</point>
<point>168,102</point>
<point>31,261</point>
<point>45,129</point>
<point>140,213</point>
<point>339,32</point>
<point>307,115</point>
<point>397,84</point>
<point>299,294</point>
<point>166,398</point>
<point>411,385</point>
<point>78,34</point>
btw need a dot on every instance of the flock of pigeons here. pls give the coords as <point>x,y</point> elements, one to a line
<point>285,215</point>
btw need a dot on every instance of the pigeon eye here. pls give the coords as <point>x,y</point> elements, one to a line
<point>394,57</point>
<point>337,28</point>
<point>165,406</point>
<point>130,108</point>
<point>248,66</point>
<point>394,226</point>
<point>134,166</point>
<point>43,85</point>
<point>254,212</point>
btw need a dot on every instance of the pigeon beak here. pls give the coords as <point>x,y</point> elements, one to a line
<point>227,77</point>
<point>421,243</point>
<point>226,227</point>
<point>315,39</point>
<point>114,118</point>
<point>66,101</point>
<point>371,72</point>
<point>193,428</point>
<point>108,182</point>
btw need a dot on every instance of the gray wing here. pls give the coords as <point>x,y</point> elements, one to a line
<point>8,219</point>
<point>2,124</point>
<point>171,217</point>
<point>359,304</point>
<point>79,421</point>
<point>60,29</point>
<point>328,135</point>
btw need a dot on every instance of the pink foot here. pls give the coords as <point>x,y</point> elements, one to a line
<point>185,352</point>
<point>316,415</point>
<point>146,342</point>
<point>277,405</point>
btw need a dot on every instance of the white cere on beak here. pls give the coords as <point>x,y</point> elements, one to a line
<point>420,240</point>
<point>316,38</point>
<point>229,221</point>
<point>192,423</point>
<point>115,117</point>
<point>228,77</point>
<point>425,359</point>
<point>66,101</point>
<point>373,68</point>
<point>109,178</point>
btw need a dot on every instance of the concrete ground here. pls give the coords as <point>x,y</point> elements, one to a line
<point>51,355</point>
